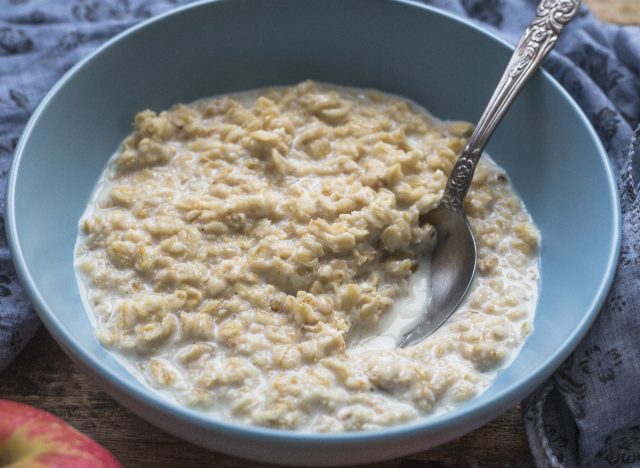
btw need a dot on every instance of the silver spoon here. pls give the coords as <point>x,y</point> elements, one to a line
<point>453,261</point>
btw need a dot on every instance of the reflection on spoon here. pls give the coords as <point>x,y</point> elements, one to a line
<point>402,317</point>
<point>455,256</point>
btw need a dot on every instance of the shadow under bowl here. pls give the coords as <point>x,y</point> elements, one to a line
<point>449,66</point>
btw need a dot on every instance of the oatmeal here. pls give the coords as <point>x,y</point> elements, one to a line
<point>243,253</point>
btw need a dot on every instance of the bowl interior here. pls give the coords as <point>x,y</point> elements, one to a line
<point>553,157</point>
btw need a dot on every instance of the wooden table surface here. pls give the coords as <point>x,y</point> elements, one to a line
<point>45,377</point>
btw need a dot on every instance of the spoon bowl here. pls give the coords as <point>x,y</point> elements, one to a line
<point>454,259</point>
<point>208,48</point>
<point>453,266</point>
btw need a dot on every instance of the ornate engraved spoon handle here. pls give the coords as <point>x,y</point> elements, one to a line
<point>534,45</point>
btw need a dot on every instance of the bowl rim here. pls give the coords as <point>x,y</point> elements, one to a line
<point>147,398</point>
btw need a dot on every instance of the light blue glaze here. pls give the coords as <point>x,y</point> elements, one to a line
<point>547,146</point>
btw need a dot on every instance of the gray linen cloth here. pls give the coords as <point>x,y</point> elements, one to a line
<point>588,412</point>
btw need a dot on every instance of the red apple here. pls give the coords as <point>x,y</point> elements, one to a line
<point>30,437</point>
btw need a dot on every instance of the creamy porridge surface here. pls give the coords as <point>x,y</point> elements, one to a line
<point>238,249</point>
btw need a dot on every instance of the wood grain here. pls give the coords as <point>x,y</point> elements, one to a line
<point>616,11</point>
<point>45,377</point>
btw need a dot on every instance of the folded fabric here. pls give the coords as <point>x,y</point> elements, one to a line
<point>588,413</point>
<point>39,41</point>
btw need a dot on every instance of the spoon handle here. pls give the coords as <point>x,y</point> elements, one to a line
<point>535,44</point>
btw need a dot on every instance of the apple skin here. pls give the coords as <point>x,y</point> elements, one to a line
<point>32,438</point>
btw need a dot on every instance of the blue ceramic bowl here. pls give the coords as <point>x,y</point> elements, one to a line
<point>553,156</point>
